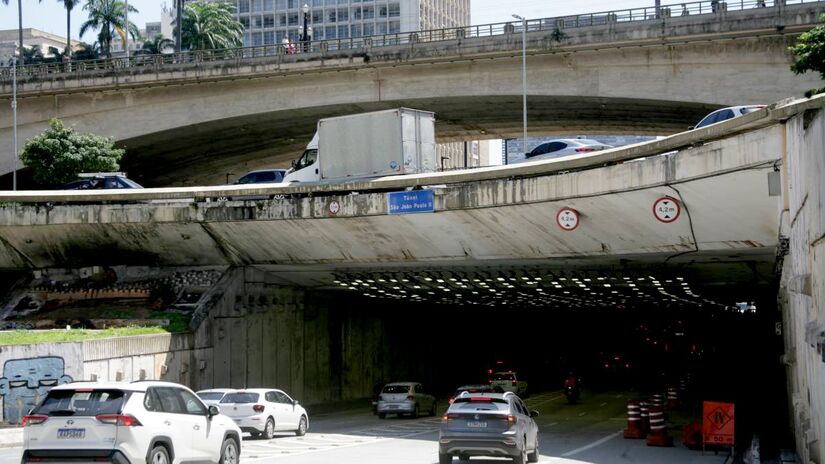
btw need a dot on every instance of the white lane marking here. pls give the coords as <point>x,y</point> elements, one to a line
<point>592,445</point>
<point>317,450</point>
<point>603,405</point>
<point>582,414</point>
<point>551,424</point>
<point>619,395</point>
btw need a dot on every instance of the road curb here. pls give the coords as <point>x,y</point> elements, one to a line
<point>10,438</point>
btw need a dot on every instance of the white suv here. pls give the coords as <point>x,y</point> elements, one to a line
<point>128,423</point>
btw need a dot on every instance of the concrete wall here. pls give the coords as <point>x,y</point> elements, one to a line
<point>802,291</point>
<point>260,334</point>
<point>29,371</point>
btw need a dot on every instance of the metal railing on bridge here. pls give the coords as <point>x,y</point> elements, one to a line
<point>284,53</point>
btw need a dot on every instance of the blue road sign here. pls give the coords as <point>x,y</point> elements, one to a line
<point>414,201</point>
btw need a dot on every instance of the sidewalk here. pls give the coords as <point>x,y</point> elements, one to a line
<point>11,437</point>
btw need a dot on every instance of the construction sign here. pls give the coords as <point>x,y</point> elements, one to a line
<point>717,423</point>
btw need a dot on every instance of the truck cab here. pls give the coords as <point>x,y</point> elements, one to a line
<point>307,167</point>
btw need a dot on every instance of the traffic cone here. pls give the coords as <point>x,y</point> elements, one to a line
<point>634,421</point>
<point>658,430</point>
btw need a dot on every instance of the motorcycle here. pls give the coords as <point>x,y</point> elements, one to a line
<point>571,392</point>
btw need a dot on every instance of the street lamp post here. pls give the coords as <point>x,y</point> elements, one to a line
<point>126,36</point>
<point>305,30</point>
<point>14,118</point>
<point>523,78</point>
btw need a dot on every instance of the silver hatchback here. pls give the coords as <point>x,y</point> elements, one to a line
<point>488,424</point>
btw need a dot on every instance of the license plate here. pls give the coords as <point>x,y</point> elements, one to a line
<point>477,424</point>
<point>71,433</point>
<point>393,406</point>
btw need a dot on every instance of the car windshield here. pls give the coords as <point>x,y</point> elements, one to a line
<point>130,183</point>
<point>240,398</point>
<point>396,389</point>
<point>81,402</point>
<point>210,396</point>
<point>504,376</point>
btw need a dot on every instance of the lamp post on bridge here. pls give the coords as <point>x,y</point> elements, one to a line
<point>523,78</point>
<point>305,31</point>
<point>14,116</point>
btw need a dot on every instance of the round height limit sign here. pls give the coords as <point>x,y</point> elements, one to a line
<point>567,219</point>
<point>666,209</point>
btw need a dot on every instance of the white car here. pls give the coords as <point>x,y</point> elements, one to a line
<point>264,411</point>
<point>727,113</point>
<point>405,398</point>
<point>213,395</point>
<point>564,147</point>
<point>508,381</point>
<point>128,423</point>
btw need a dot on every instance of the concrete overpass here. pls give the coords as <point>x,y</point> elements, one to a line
<point>190,123</point>
<point>750,192</point>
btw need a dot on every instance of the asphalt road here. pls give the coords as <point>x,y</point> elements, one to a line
<point>588,432</point>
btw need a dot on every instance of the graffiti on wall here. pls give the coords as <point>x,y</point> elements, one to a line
<point>26,381</point>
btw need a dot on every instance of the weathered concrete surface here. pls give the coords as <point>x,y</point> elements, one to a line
<point>802,292</point>
<point>29,371</point>
<point>194,125</point>
<point>723,185</point>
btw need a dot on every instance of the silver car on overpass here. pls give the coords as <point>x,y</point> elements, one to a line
<point>488,424</point>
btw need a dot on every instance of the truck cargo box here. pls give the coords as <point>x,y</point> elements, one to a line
<point>380,143</point>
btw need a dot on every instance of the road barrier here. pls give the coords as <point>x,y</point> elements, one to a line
<point>643,412</point>
<point>634,421</point>
<point>672,398</point>
<point>658,430</point>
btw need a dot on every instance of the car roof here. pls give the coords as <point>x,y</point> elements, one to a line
<point>499,395</point>
<point>216,390</point>
<point>254,390</point>
<point>475,385</point>
<point>139,385</point>
<point>265,170</point>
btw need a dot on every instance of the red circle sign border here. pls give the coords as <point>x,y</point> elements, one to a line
<point>675,202</point>
<point>576,213</point>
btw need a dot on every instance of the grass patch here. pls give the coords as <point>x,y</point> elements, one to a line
<point>26,337</point>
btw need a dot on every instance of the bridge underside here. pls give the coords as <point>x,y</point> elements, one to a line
<point>204,154</point>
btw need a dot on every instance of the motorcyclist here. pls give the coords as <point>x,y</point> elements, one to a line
<point>571,388</point>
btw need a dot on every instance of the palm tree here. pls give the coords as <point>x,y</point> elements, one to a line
<point>210,25</point>
<point>87,52</point>
<point>69,5</point>
<point>19,28</point>
<point>156,45</point>
<point>110,17</point>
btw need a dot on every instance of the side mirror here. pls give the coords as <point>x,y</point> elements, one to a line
<point>295,402</point>
<point>691,127</point>
<point>534,413</point>
<point>294,163</point>
<point>214,410</point>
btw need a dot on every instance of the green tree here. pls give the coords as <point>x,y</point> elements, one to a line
<point>109,16</point>
<point>58,154</point>
<point>809,53</point>
<point>87,51</point>
<point>69,6</point>
<point>208,26</point>
<point>156,45</point>
<point>19,29</point>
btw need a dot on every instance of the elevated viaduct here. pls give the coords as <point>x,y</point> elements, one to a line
<point>190,123</point>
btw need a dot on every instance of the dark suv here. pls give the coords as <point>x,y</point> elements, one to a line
<point>488,424</point>
<point>102,180</point>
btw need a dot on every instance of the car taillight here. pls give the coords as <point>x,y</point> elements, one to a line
<point>451,400</point>
<point>512,419</point>
<point>34,419</point>
<point>258,408</point>
<point>125,420</point>
<point>584,150</point>
<point>449,417</point>
<point>514,382</point>
<point>410,397</point>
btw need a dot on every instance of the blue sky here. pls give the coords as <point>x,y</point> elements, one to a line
<point>49,15</point>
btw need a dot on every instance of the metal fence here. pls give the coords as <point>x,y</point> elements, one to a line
<point>356,44</point>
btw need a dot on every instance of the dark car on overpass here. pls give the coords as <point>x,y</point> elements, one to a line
<point>101,180</point>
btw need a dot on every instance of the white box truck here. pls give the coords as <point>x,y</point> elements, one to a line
<point>358,146</point>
